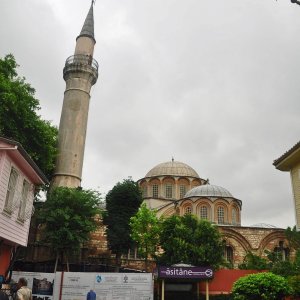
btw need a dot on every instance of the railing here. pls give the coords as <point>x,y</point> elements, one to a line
<point>82,59</point>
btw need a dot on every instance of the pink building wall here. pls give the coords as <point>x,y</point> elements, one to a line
<point>14,228</point>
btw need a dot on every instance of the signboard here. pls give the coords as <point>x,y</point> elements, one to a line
<point>185,272</point>
<point>41,284</point>
<point>107,286</point>
<point>76,285</point>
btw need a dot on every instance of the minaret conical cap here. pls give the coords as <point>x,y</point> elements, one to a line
<point>88,26</point>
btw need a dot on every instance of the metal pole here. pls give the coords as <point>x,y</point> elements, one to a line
<point>163,290</point>
<point>207,290</point>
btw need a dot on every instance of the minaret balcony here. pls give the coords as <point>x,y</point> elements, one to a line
<point>81,63</point>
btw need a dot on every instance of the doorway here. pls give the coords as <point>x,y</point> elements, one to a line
<point>180,291</point>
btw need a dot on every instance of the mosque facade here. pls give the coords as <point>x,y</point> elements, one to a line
<point>175,188</point>
<point>169,188</point>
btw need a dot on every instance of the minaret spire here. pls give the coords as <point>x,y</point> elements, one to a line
<point>88,26</point>
<point>80,73</point>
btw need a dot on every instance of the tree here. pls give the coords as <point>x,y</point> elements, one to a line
<point>294,283</point>
<point>122,202</point>
<point>145,229</point>
<point>19,119</point>
<point>293,237</point>
<point>264,286</point>
<point>190,240</point>
<point>68,216</point>
<point>254,262</point>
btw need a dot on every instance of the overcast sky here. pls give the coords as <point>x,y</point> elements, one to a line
<point>214,84</point>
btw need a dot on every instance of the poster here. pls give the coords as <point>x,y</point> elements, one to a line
<point>124,286</point>
<point>107,286</point>
<point>76,285</point>
<point>41,284</point>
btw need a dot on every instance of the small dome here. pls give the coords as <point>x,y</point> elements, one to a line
<point>172,168</point>
<point>208,190</point>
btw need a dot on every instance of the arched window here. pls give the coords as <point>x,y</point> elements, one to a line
<point>204,212</point>
<point>188,210</point>
<point>155,191</point>
<point>182,191</point>
<point>228,254</point>
<point>221,215</point>
<point>169,190</point>
<point>281,252</point>
<point>234,216</point>
<point>145,191</point>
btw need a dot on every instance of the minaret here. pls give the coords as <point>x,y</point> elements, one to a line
<point>80,73</point>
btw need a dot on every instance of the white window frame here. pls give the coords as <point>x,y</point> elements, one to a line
<point>182,191</point>
<point>11,188</point>
<point>204,212</point>
<point>221,215</point>
<point>23,200</point>
<point>169,191</point>
<point>155,190</point>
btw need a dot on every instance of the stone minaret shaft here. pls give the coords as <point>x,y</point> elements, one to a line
<point>80,73</point>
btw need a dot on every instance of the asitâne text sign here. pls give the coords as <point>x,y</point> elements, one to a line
<point>185,272</point>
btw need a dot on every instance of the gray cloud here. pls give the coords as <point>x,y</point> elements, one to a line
<point>214,84</point>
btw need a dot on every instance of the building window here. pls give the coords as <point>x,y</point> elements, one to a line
<point>203,212</point>
<point>281,252</point>
<point>132,253</point>
<point>188,210</point>
<point>145,191</point>
<point>155,191</point>
<point>234,216</point>
<point>182,191</point>
<point>221,215</point>
<point>169,191</point>
<point>23,200</point>
<point>8,206</point>
<point>228,254</point>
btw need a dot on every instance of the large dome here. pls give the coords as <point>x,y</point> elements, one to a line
<point>208,190</point>
<point>172,168</point>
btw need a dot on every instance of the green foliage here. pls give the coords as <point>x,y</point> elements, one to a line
<point>122,202</point>
<point>293,237</point>
<point>145,229</point>
<point>254,262</point>
<point>287,268</point>
<point>294,283</point>
<point>69,217</point>
<point>264,286</point>
<point>190,240</point>
<point>19,119</point>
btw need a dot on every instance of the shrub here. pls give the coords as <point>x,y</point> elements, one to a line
<point>294,282</point>
<point>264,286</point>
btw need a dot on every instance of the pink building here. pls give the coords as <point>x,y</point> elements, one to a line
<point>19,176</point>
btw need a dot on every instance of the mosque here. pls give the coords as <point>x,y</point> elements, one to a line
<point>169,188</point>
<point>174,187</point>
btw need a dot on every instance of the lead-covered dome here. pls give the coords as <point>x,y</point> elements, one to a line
<point>172,168</point>
<point>208,190</point>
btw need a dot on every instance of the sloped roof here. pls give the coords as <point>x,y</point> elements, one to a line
<point>286,161</point>
<point>26,157</point>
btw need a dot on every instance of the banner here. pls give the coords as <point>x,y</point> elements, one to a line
<point>41,284</point>
<point>75,286</point>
